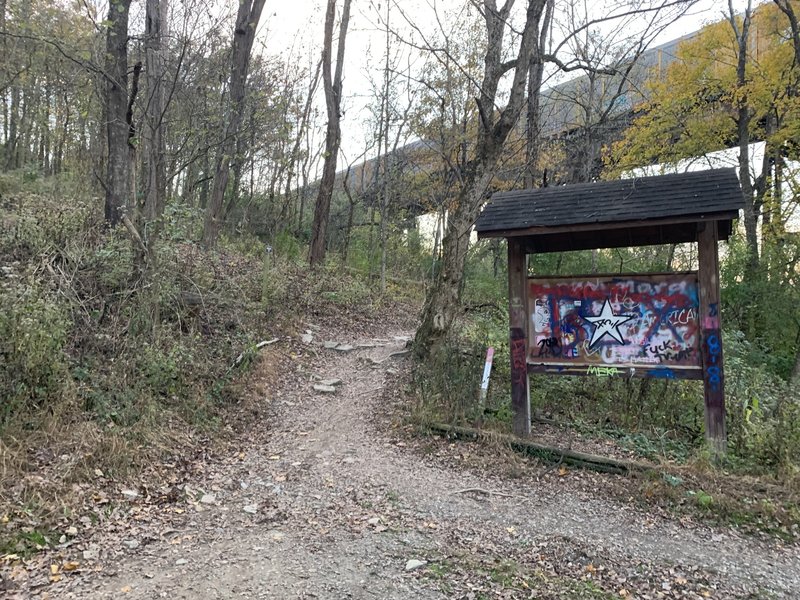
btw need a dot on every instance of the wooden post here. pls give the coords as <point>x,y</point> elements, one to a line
<point>517,330</point>
<point>711,338</point>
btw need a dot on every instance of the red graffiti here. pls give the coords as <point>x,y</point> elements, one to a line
<point>664,323</point>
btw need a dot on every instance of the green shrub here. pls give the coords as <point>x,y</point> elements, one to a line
<point>763,409</point>
<point>10,184</point>
<point>288,247</point>
<point>111,261</point>
<point>446,384</point>
<point>33,333</point>
<point>37,225</point>
<point>164,364</point>
<point>181,222</point>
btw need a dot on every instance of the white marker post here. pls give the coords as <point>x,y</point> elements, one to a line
<point>487,369</point>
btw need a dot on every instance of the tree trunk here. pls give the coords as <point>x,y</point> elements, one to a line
<point>795,378</point>
<point>243,35</point>
<point>305,173</point>
<point>444,297</point>
<point>11,144</point>
<point>155,144</point>
<point>205,187</point>
<point>301,132</point>
<point>333,101</point>
<point>350,213</point>
<point>439,231</point>
<point>117,165</point>
<point>6,117</point>
<point>744,115</point>
<point>770,202</point>
<point>383,235</point>
<point>58,159</point>
<point>535,74</point>
<point>371,239</point>
<point>237,167</point>
<point>26,122</point>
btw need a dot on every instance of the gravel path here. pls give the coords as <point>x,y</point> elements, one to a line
<point>332,505</point>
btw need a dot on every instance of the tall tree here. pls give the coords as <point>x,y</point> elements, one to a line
<point>721,93</point>
<point>533,118</point>
<point>3,80</point>
<point>155,176</point>
<point>118,178</point>
<point>332,84</point>
<point>493,129</point>
<point>444,297</point>
<point>744,115</point>
<point>244,34</point>
<point>295,155</point>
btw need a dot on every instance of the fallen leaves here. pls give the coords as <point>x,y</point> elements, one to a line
<point>57,571</point>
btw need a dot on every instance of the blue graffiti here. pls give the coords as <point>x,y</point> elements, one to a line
<point>713,372</point>
<point>713,348</point>
<point>662,373</point>
<point>714,377</point>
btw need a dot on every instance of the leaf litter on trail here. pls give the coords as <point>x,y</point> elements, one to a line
<point>496,561</point>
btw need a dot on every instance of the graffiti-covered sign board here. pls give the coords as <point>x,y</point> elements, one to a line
<point>638,325</point>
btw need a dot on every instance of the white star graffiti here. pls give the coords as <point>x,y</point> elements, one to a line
<point>607,323</point>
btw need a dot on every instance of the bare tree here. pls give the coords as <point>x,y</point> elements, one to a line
<point>390,116</point>
<point>294,157</point>
<point>444,297</point>
<point>600,103</point>
<point>494,125</point>
<point>535,77</point>
<point>333,99</point>
<point>155,174</point>
<point>244,33</point>
<point>118,173</point>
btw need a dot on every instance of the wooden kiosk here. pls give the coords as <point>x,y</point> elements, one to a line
<point>663,325</point>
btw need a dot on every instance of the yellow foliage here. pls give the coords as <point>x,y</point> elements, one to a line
<point>693,109</point>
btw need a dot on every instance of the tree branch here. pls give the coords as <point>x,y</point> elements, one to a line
<point>578,66</point>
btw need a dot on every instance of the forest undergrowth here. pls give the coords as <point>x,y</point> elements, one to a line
<point>110,367</point>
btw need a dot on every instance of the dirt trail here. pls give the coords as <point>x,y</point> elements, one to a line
<point>333,507</point>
